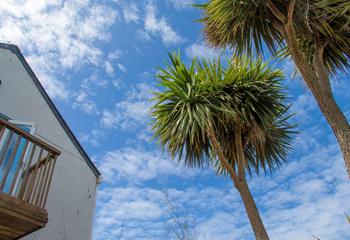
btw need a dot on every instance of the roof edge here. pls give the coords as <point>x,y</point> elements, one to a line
<point>15,49</point>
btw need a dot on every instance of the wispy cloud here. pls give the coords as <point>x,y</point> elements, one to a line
<point>56,35</point>
<point>115,55</point>
<point>122,68</point>
<point>148,209</point>
<point>131,112</point>
<point>122,209</point>
<point>181,4</point>
<point>154,26</point>
<point>201,50</point>
<point>303,105</point>
<point>136,165</point>
<point>304,205</point>
<point>109,68</point>
<point>82,101</point>
<point>93,137</point>
<point>131,13</point>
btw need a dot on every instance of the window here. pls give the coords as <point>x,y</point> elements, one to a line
<point>11,164</point>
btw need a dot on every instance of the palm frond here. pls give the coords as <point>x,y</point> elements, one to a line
<point>245,94</point>
<point>249,26</point>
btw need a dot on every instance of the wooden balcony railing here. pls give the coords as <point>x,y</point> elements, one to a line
<point>26,168</point>
<point>26,165</point>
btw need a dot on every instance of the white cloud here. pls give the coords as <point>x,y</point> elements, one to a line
<point>63,33</point>
<point>93,137</point>
<point>320,214</point>
<point>112,57</point>
<point>146,135</point>
<point>93,82</point>
<point>294,204</point>
<point>117,83</point>
<point>131,13</point>
<point>129,212</point>
<point>122,68</point>
<point>109,69</point>
<point>222,226</point>
<point>290,70</point>
<point>115,55</point>
<point>109,119</point>
<point>181,4</point>
<point>83,102</point>
<point>136,210</point>
<point>159,27</point>
<point>307,199</point>
<point>135,166</point>
<point>83,98</point>
<point>201,50</point>
<point>131,112</point>
<point>303,105</point>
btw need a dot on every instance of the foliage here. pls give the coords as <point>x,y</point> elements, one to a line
<point>247,26</point>
<point>245,94</point>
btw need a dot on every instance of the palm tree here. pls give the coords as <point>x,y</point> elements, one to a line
<point>315,33</point>
<point>233,117</point>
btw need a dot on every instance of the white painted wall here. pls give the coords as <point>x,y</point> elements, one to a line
<point>71,201</point>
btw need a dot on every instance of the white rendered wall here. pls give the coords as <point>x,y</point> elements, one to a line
<point>71,201</point>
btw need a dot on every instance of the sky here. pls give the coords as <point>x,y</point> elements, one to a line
<point>98,60</point>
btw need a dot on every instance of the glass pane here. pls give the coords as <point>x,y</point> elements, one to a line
<point>16,160</point>
<point>24,127</point>
<point>15,164</point>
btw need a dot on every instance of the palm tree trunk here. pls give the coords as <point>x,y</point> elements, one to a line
<point>243,189</point>
<point>252,210</point>
<point>318,82</point>
<point>316,78</point>
<point>328,105</point>
<point>241,185</point>
<point>335,119</point>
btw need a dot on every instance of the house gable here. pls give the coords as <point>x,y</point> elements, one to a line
<point>15,50</point>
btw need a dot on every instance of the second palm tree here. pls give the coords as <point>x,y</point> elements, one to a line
<point>231,117</point>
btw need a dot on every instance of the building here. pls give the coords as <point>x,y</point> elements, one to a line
<point>47,181</point>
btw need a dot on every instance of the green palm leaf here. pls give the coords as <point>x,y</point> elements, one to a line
<point>247,26</point>
<point>245,94</point>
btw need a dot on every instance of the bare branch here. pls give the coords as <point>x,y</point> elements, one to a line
<point>278,25</point>
<point>291,11</point>
<point>315,237</point>
<point>304,67</point>
<point>275,11</point>
<point>307,16</point>
<point>182,229</point>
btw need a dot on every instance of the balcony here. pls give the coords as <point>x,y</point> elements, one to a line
<point>27,164</point>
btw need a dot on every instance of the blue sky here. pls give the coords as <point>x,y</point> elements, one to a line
<point>97,60</point>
